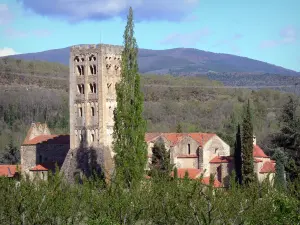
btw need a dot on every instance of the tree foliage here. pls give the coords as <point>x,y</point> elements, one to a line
<point>247,147</point>
<point>161,162</point>
<point>238,155</point>
<point>129,127</point>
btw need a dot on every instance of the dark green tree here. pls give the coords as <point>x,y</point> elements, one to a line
<point>11,154</point>
<point>289,138</point>
<point>247,147</point>
<point>129,127</point>
<point>161,163</point>
<point>178,128</point>
<point>238,156</point>
<point>279,180</point>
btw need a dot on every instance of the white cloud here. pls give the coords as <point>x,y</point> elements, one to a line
<point>5,15</point>
<point>7,51</point>
<point>288,35</point>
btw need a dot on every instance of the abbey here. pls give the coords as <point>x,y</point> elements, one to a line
<point>94,72</point>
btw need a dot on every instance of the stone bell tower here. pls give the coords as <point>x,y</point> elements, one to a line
<point>94,72</point>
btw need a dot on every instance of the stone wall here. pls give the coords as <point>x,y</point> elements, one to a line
<point>94,72</point>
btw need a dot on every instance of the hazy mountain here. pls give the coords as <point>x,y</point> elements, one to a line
<point>178,61</point>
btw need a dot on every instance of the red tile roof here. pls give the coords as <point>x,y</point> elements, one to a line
<point>151,136</point>
<point>221,159</point>
<point>46,166</point>
<point>205,181</point>
<point>8,170</point>
<point>193,173</point>
<point>175,138</point>
<point>268,167</point>
<point>39,168</point>
<point>49,139</point>
<point>258,152</point>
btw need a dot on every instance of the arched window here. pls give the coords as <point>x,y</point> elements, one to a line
<point>93,111</point>
<point>82,88</point>
<point>82,70</point>
<point>76,59</point>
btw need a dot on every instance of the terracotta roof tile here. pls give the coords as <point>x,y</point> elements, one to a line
<point>46,166</point>
<point>205,181</point>
<point>268,167</point>
<point>175,138</point>
<point>8,170</point>
<point>258,152</point>
<point>221,159</point>
<point>48,139</point>
<point>193,173</point>
<point>151,136</point>
<point>39,168</point>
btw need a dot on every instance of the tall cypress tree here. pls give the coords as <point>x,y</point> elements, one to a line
<point>247,147</point>
<point>279,180</point>
<point>238,155</point>
<point>129,127</point>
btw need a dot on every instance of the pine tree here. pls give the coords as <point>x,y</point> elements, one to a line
<point>279,180</point>
<point>161,162</point>
<point>238,156</point>
<point>247,147</point>
<point>129,127</point>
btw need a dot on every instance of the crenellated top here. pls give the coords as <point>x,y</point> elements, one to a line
<point>103,48</point>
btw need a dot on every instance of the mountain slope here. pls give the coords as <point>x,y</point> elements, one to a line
<point>178,61</point>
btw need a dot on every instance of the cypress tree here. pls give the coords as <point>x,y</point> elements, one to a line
<point>279,181</point>
<point>129,127</point>
<point>247,147</point>
<point>238,156</point>
<point>161,162</point>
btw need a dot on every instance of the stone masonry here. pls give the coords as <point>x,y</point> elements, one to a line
<point>94,72</point>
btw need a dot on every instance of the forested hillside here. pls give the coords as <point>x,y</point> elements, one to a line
<point>198,104</point>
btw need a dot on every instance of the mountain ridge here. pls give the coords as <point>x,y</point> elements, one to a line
<point>178,61</point>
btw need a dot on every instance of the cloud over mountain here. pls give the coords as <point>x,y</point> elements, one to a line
<point>78,10</point>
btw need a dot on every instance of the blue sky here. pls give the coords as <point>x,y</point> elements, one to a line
<point>267,30</point>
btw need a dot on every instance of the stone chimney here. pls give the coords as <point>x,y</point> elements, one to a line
<point>254,140</point>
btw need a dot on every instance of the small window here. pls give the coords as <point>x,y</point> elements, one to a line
<point>81,137</point>
<point>80,111</point>
<point>79,88</point>
<point>93,111</point>
<point>76,59</point>
<point>95,90</point>
<point>92,137</point>
<point>189,149</point>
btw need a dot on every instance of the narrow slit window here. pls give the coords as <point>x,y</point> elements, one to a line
<point>93,111</point>
<point>79,88</point>
<point>93,137</point>
<point>189,149</point>
<point>82,87</point>
<point>95,89</point>
<point>79,70</point>
<point>80,111</point>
